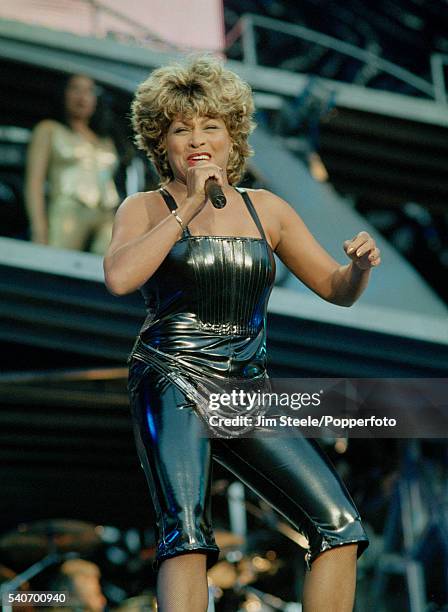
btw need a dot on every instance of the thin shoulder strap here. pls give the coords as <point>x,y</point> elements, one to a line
<point>171,203</point>
<point>252,211</point>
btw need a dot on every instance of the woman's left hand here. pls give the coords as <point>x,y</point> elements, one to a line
<point>363,251</point>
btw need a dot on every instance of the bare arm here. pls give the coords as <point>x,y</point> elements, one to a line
<point>138,247</point>
<point>313,265</point>
<point>348,283</point>
<point>144,233</point>
<point>38,156</point>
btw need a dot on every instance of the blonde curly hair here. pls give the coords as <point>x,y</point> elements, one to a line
<point>200,87</point>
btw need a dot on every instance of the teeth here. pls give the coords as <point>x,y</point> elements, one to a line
<point>199,157</point>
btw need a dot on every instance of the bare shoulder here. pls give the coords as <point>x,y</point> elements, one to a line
<point>42,133</point>
<point>46,126</point>
<point>271,210</point>
<point>137,205</point>
<point>136,215</point>
<point>276,207</point>
<point>145,209</point>
<point>139,200</point>
<point>267,201</point>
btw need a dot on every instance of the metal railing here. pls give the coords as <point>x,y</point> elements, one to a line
<point>139,30</point>
<point>244,29</point>
<point>438,63</point>
<point>86,18</point>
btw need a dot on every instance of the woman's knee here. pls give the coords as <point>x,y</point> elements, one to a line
<point>345,554</point>
<point>194,562</point>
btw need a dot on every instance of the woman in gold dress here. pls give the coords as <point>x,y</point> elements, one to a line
<point>77,158</point>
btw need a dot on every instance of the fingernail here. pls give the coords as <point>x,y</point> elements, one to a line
<point>358,252</point>
<point>350,250</point>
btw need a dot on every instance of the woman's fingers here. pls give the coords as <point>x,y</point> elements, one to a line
<point>374,257</point>
<point>363,250</point>
<point>198,175</point>
<point>368,246</point>
<point>357,242</point>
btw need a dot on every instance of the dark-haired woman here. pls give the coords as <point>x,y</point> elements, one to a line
<point>77,158</point>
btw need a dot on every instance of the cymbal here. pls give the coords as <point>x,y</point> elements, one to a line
<point>227,539</point>
<point>140,603</point>
<point>223,575</point>
<point>32,541</point>
<point>249,568</point>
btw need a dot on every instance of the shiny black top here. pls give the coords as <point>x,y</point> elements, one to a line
<point>207,302</point>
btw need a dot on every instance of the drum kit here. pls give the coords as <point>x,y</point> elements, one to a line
<point>38,546</point>
<point>234,581</point>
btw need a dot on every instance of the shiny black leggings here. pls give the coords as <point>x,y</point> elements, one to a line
<point>291,473</point>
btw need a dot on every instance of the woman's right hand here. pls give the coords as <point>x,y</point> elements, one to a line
<point>196,178</point>
<point>139,245</point>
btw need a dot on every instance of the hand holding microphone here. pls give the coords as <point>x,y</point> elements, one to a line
<point>215,193</point>
<point>204,179</point>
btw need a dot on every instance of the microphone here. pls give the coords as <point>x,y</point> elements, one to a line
<point>214,193</point>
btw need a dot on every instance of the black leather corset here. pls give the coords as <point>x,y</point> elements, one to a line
<point>207,301</point>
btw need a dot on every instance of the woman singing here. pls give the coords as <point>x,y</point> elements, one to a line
<point>206,275</point>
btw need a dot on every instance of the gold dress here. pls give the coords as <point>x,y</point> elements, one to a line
<point>82,192</point>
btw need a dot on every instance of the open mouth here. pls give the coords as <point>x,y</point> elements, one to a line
<point>193,159</point>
